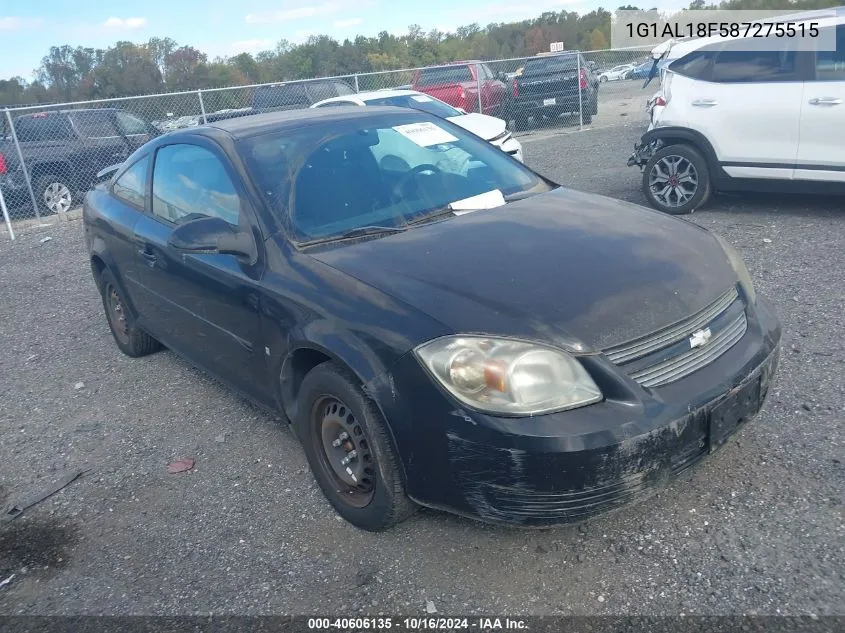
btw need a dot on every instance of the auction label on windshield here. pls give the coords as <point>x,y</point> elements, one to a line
<point>757,30</point>
<point>425,133</point>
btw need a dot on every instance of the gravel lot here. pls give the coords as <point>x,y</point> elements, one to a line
<point>757,528</point>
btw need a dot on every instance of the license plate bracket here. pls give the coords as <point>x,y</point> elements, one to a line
<point>727,416</point>
<point>548,102</point>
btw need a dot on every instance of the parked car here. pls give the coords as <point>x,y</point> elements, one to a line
<point>409,322</point>
<point>737,115</point>
<point>551,85</point>
<point>297,94</point>
<point>64,150</point>
<point>489,128</point>
<point>616,73</point>
<point>458,84</point>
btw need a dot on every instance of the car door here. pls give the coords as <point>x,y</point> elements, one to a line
<point>204,306</point>
<point>101,143</point>
<point>821,151</point>
<point>750,107</point>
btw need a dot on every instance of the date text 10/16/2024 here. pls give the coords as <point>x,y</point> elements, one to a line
<point>417,624</point>
<point>679,30</point>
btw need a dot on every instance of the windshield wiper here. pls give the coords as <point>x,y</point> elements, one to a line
<point>435,213</point>
<point>361,231</point>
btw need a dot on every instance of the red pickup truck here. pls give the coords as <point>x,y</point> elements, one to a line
<point>458,83</point>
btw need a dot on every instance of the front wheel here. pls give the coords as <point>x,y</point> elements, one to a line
<point>349,450</point>
<point>53,193</point>
<point>676,180</point>
<point>603,79</point>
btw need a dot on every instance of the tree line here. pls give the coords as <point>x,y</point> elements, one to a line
<point>70,73</point>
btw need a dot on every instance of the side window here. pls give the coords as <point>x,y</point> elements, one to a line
<point>190,182</point>
<point>95,124</point>
<point>131,124</point>
<point>830,65</point>
<point>320,90</point>
<point>695,65</point>
<point>42,128</point>
<point>293,94</point>
<point>343,89</point>
<point>132,185</point>
<point>754,66</point>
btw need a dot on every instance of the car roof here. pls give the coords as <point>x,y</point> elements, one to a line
<point>375,94</point>
<point>243,127</point>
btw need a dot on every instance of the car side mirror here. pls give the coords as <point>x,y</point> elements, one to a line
<point>211,235</point>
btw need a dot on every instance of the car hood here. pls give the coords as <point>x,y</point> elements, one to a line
<point>551,267</point>
<point>486,127</point>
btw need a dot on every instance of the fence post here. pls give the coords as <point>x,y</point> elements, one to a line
<point>580,94</point>
<point>202,107</point>
<point>478,82</point>
<point>23,166</point>
<point>6,215</point>
<point>357,90</point>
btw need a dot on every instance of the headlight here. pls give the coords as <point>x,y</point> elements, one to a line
<point>509,377</point>
<point>738,265</point>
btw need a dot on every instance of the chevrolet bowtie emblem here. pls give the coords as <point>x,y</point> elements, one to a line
<point>700,338</point>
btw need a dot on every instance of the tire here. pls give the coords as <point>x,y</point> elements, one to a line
<point>689,162</point>
<point>54,194</point>
<point>131,340</point>
<point>586,115</point>
<point>603,79</point>
<point>520,122</point>
<point>595,104</point>
<point>370,493</point>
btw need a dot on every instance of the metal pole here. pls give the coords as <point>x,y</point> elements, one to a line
<point>357,90</point>
<point>478,81</point>
<point>580,95</point>
<point>23,166</point>
<point>202,107</point>
<point>6,215</point>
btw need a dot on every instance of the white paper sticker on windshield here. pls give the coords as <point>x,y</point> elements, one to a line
<point>425,134</point>
<point>421,98</point>
<point>488,200</point>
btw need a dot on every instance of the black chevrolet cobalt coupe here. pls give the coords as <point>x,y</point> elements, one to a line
<point>441,325</point>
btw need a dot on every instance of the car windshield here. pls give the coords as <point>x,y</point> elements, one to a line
<point>420,102</point>
<point>378,174</point>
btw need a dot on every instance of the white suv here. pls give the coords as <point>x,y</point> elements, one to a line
<point>735,115</point>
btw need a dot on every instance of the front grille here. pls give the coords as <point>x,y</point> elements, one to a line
<point>665,356</point>
<point>683,365</point>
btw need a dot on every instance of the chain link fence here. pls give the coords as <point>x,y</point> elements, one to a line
<point>50,155</point>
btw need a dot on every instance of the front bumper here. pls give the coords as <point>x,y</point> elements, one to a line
<point>644,151</point>
<point>567,466</point>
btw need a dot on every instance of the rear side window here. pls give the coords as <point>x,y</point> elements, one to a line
<point>190,182</point>
<point>444,75</point>
<point>754,66</point>
<point>343,89</point>
<point>695,65</point>
<point>830,65</point>
<point>95,124</point>
<point>320,90</point>
<point>131,187</point>
<point>131,124</point>
<point>280,96</point>
<point>43,128</point>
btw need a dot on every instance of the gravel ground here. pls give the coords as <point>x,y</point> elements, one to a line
<point>756,528</point>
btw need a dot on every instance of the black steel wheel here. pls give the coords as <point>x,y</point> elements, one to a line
<point>349,449</point>
<point>131,340</point>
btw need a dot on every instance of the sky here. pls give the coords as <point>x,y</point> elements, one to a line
<point>28,29</point>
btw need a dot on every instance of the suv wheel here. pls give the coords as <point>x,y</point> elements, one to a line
<point>676,180</point>
<point>54,194</point>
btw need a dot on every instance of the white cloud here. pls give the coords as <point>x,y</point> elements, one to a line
<point>251,46</point>
<point>308,11</point>
<point>345,24</point>
<point>12,23</point>
<point>125,23</point>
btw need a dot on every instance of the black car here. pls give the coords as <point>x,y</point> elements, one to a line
<point>64,150</point>
<point>551,85</point>
<point>297,94</point>
<point>441,325</point>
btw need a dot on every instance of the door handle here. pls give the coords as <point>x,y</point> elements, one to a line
<point>826,101</point>
<point>705,103</point>
<point>147,256</point>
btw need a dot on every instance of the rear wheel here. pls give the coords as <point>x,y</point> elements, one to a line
<point>53,193</point>
<point>131,340</point>
<point>349,450</point>
<point>676,180</point>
